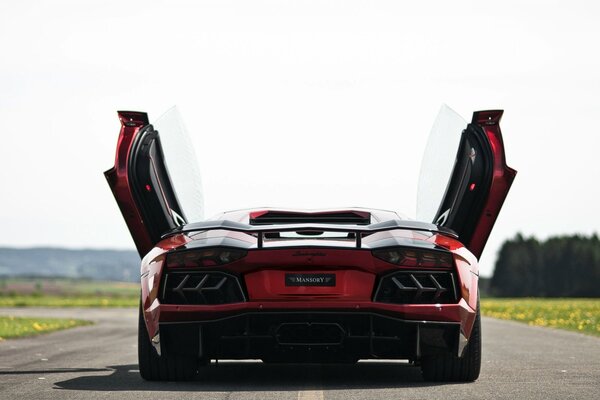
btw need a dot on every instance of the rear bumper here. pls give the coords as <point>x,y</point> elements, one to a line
<point>312,331</point>
<point>460,313</point>
<point>311,337</point>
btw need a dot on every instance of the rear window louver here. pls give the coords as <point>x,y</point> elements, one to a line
<point>283,217</point>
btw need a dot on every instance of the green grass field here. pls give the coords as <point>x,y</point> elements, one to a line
<point>67,287</point>
<point>579,315</point>
<point>67,301</point>
<point>67,293</point>
<point>13,327</point>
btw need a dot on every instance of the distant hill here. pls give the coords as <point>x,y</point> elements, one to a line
<point>108,265</point>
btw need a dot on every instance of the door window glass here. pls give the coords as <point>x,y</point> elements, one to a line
<point>182,164</point>
<point>438,162</point>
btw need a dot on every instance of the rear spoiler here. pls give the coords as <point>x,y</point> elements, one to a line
<point>358,230</point>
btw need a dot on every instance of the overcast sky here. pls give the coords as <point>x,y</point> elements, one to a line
<point>299,104</point>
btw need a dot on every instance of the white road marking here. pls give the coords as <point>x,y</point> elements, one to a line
<point>311,395</point>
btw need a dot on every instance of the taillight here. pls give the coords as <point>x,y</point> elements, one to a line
<point>204,257</point>
<point>415,258</point>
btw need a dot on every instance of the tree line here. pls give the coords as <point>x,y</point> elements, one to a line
<point>563,266</point>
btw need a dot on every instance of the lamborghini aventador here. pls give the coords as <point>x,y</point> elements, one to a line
<point>289,285</point>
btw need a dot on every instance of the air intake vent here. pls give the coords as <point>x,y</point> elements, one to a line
<point>288,217</point>
<point>417,288</point>
<point>201,288</point>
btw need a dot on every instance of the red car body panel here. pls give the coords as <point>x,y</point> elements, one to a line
<point>503,177</point>
<point>118,178</point>
<point>355,269</point>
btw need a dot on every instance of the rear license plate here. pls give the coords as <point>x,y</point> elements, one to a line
<point>309,279</point>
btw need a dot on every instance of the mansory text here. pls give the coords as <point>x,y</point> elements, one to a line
<point>286,285</point>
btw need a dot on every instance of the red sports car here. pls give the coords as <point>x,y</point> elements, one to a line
<point>285,285</point>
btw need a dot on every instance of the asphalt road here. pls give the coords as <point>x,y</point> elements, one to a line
<point>519,362</point>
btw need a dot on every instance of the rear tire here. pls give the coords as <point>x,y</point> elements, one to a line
<point>449,368</point>
<point>166,367</point>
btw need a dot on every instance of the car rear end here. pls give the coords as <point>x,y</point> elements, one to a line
<point>285,292</point>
